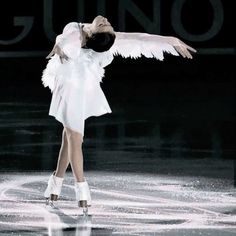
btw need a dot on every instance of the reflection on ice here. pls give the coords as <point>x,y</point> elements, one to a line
<point>122,204</point>
<point>130,134</point>
<point>57,223</point>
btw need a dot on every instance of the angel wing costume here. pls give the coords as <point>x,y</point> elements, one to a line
<point>75,84</point>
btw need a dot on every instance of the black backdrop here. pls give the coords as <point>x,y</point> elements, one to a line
<point>198,93</point>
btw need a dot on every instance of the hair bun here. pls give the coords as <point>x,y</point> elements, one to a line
<point>100,42</point>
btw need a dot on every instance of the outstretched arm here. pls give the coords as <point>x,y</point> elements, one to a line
<point>135,45</point>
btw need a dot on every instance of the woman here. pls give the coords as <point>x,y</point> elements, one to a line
<point>74,73</point>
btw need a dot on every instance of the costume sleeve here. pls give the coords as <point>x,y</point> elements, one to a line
<point>70,43</point>
<point>105,59</point>
<point>135,45</point>
<point>70,40</point>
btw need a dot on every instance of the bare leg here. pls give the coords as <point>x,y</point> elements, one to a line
<point>75,141</point>
<point>63,158</point>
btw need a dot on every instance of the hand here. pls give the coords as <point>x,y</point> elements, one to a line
<point>57,50</point>
<point>182,48</point>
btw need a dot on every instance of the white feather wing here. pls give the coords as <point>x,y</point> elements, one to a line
<point>135,45</point>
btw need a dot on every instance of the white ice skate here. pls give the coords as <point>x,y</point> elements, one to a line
<point>83,196</point>
<point>53,189</point>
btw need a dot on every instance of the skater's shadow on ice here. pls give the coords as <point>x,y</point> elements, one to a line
<point>58,223</point>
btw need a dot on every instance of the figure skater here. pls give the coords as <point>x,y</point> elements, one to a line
<point>74,73</point>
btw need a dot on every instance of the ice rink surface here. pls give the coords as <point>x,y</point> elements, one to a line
<point>167,172</point>
<point>122,204</point>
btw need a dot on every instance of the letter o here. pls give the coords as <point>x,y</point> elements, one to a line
<point>180,30</point>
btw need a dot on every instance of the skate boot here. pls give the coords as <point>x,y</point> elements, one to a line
<point>53,189</point>
<point>83,196</point>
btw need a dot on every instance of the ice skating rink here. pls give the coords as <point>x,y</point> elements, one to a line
<point>122,204</point>
<point>161,164</point>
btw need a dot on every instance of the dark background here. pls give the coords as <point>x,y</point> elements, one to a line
<point>177,109</point>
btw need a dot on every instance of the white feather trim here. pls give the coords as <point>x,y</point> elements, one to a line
<point>49,74</point>
<point>135,45</point>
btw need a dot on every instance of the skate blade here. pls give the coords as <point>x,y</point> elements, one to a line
<point>84,216</point>
<point>50,204</point>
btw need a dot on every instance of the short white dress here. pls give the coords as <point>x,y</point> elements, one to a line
<point>75,84</point>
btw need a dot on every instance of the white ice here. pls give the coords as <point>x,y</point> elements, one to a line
<point>122,204</point>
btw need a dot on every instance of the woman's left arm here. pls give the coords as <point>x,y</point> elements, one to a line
<point>135,45</point>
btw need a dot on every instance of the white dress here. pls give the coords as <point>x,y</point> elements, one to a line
<point>75,84</point>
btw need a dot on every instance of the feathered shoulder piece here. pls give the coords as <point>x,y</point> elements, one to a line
<point>135,45</point>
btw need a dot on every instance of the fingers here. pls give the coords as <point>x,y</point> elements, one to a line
<point>57,50</point>
<point>180,51</point>
<point>183,51</point>
<point>50,54</point>
<point>187,46</point>
<point>63,57</point>
<point>191,49</point>
<point>187,53</point>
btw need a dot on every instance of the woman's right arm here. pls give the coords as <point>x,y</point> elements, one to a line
<point>57,50</point>
<point>68,44</point>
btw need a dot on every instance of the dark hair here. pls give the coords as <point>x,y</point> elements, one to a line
<point>100,42</point>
